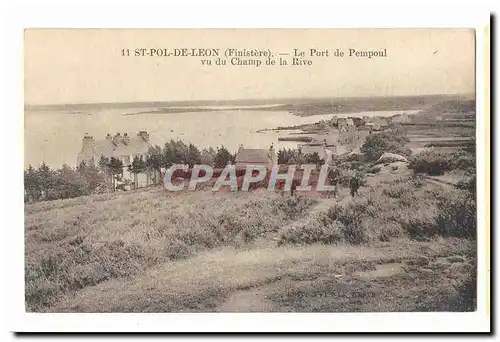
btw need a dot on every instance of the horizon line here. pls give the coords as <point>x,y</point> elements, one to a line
<point>27,105</point>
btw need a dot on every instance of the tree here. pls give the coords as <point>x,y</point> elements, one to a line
<point>46,180</point>
<point>392,141</point>
<point>175,152</point>
<point>104,164</point>
<point>92,175</point>
<point>68,183</point>
<point>154,158</point>
<point>222,157</point>
<point>284,155</point>
<point>138,166</point>
<point>32,188</point>
<point>105,168</point>
<point>208,156</point>
<point>116,169</point>
<point>194,155</point>
<point>313,158</point>
<point>298,158</point>
<point>154,161</point>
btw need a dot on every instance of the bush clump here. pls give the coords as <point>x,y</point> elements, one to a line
<point>436,163</point>
<point>469,185</point>
<point>458,216</point>
<point>292,207</point>
<point>339,224</point>
<point>314,230</point>
<point>467,290</point>
<point>374,169</point>
<point>391,141</point>
<point>431,162</point>
<point>77,266</point>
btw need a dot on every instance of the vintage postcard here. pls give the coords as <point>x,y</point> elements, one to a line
<point>250,170</point>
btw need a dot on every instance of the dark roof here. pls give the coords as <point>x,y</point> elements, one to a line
<point>106,147</point>
<point>253,155</point>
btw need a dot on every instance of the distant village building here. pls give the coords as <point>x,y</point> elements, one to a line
<point>345,124</point>
<point>255,156</point>
<point>367,118</point>
<point>333,121</point>
<point>122,147</point>
<point>400,118</point>
<point>325,151</point>
<point>380,121</point>
<point>372,126</point>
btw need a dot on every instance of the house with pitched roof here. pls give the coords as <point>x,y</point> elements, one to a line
<point>122,147</point>
<point>255,156</point>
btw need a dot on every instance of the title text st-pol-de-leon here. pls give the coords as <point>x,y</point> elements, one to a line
<point>235,54</point>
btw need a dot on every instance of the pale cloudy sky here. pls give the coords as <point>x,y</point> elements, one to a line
<point>83,66</point>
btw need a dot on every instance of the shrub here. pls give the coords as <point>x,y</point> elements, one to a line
<point>339,224</point>
<point>431,162</point>
<point>398,190</point>
<point>314,230</point>
<point>467,290</point>
<point>464,160</point>
<point>458,216</point>
<point>469,185</point>
<point>77,266</point>
<point>292,206</point>
<point>352,157</point>
<point>420,224</point>
<point>313,158</point>
<point>391,141</point>
<point>374,169</point>
<point>356,165</point>
<point>437,163</point>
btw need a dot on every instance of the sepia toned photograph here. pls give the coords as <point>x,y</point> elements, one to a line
<point>250,170</point>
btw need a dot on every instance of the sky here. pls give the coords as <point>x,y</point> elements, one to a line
<point>85,65</point>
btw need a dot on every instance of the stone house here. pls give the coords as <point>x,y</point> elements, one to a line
<point>255,156</point>
<point>123,147</point>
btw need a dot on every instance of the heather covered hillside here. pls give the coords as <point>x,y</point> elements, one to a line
<point>406,237</point>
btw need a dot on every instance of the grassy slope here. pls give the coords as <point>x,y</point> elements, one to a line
<point>76,243</point>
<point>149,251</point>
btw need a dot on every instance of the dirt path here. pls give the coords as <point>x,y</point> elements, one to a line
<point>439,181</point>
<point>251,300</point>
<point>261,279</point>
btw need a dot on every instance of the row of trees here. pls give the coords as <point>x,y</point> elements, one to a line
<point>44,183</point>
<point>177,152</point>
<point>297,157</point>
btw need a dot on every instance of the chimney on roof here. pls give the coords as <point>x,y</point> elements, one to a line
<point>87,142</point>
<point>272,155</point>
<point>117,138</point>
<point>144,135</point>
<point>126,139</point>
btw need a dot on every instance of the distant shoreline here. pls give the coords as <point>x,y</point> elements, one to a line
<point>291,103</point>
